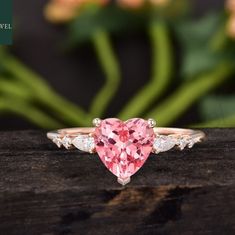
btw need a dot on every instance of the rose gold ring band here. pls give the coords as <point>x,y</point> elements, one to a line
<point>178,132</point>
<point>166,138</point>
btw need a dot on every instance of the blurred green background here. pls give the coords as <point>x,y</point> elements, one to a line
<point>72,61</point>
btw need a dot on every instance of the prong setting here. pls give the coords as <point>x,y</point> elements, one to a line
<point>125,181</point>
<point>151,122</point>
<point>96,122</point>
<point>92,151</point>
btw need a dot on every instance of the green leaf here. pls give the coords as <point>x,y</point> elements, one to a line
<point>199,61</point>
<point>111,18</point>
<point>197,32</point>
<point>214,107</point>
<point>195,38</point>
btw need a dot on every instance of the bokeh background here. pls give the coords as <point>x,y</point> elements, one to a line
<point>49,48</point>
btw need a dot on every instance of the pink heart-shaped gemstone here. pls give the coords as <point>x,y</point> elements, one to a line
<point>123,147</point>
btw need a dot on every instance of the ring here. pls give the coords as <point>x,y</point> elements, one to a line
<point>124,147</point>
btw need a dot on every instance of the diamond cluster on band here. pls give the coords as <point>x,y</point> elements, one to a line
<point>164,143</point>
<point>84,143</point>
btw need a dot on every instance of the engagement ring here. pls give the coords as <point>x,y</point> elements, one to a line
<point>124,147</point>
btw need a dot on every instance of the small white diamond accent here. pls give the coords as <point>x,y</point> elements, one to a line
<point>66,141</point>
<point>57,141</point>
<point>182,143</point>
<point>191,143</point>
<point>163,143</point>
<point>84,143</point>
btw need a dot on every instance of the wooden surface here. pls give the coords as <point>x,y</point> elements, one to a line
<point>45,190</point>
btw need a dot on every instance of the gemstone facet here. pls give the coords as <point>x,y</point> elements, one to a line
<point>124,147</point>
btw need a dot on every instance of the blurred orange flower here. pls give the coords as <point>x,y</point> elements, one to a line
<point>58,11</point>
<point>230,6</point>
<point>231,27</point>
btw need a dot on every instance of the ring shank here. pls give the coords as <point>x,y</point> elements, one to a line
<point>158,131</point>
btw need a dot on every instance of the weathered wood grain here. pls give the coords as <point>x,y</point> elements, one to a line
<point>45,190</point>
